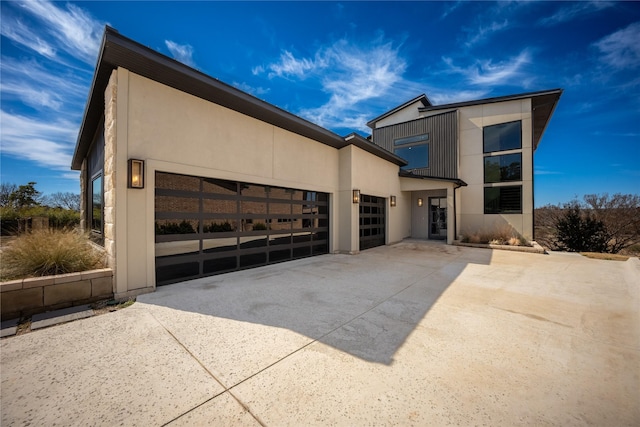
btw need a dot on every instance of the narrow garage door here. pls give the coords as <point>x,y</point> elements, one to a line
<point>207,226</point>
<point>372,220</point>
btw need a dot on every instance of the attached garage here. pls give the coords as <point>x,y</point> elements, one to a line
<point>207,226</point>
<point>372,221</point>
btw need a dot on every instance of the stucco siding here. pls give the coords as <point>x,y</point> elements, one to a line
<point>471,202</point>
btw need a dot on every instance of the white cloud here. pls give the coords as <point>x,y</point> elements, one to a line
<point>75,31</point>
<point>484,32</point>
<point>48,143</point>
<point>450,8</point>
<point>250,89</point>
<point>488,73</point>
<point>574,10</point>
<point>257,70</point>
<point>290,66</point>
<point>621,50</point>
<point>451,96</point>
<point>17,31</point>
<point>350,75</point>
<point>31,83</point>
<point>181,52</point>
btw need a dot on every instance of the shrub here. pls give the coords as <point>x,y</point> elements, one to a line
<point>499,235</point>
<point>183,227</point>
<point>48,252</point>
<point>580,231</point>
<point>259,226</point>
<point>217,228</point>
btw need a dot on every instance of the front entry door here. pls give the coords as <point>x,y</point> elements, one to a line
<point>437,217</point>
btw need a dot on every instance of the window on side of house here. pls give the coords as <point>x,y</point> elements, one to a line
<point>96,204</point>
<point>503,200</point>
<point>414,149</point>
<point>502,137</point>
<point>503,168</point>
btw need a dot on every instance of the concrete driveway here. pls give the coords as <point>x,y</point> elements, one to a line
<point>417,333</point>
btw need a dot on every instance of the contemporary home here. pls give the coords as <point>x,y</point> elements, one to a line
<point>183,176</point>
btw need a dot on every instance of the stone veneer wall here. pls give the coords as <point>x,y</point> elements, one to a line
<point>110,98</point>
<point>25,297</point>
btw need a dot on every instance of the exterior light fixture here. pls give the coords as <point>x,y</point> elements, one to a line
<point>135,173</point>
<point>419,201</point>
<point>392,201</point>
<point>356,196</point>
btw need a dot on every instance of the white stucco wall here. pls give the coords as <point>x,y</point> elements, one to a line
<point>471,167</point>
<point>179,133</point>
<point>410,112</point>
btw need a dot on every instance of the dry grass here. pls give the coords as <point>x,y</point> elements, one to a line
<point>502,235</point>
<point>609,257</point>
<point>48,252</point>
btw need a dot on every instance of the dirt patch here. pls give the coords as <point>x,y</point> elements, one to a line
<point>609,257</point>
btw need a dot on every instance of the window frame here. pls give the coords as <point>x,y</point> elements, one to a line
<point>485,129</point>
<point>97,232</point>
<point>500,210</point>
<point>499,157</point>
<point>409,142</point>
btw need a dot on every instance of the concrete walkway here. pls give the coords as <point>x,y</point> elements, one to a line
<point>416,333</point>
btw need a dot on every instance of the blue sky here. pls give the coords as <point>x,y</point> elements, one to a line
<point>340,64</point>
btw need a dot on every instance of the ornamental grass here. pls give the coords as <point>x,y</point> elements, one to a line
<point>48,252</point>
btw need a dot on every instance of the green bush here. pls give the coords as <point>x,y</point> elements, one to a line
<point>580,231</point>
<point>183,227</point>
<point>217,228</point>
<point>48,252</point>
<point>259,226</point>
<point>58,217</point>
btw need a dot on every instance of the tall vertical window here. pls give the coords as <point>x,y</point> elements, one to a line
<point>499,167</point>
<point>96,204</point>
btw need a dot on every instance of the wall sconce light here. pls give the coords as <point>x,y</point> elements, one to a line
<point>356,196</point>
<point>135,173</point>
<point>392,201</point>
<point>419,201</point>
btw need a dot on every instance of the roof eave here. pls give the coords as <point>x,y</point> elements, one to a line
<point>370,147</point>
<point>119,51</point>
<point>409,174</point>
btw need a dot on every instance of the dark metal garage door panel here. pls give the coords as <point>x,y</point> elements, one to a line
<point>372,221</point>
<point>207,226</point>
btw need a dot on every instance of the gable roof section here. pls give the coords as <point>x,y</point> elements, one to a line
<point>119,51</point>
<point>543,104</point>
<point>422,98</point>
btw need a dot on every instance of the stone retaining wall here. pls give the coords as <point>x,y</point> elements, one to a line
<point>39,294</point>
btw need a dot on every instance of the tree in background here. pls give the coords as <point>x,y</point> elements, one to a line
<point>26,196</point>
<point>65,200</point>
<point>601,223</point>
<point>5,191</point>
<point>580,231</point>
<point>620,215</point>
<point>19,203</point>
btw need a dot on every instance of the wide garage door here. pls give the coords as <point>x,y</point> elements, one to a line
<point>207,226</point>
<point>372,220</point>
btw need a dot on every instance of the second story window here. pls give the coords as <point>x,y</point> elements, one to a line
<point>414,149</point>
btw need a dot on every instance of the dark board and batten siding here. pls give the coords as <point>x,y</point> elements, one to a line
<point>443,147</point>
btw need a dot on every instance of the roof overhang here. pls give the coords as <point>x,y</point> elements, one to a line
<point>543,104</point>
<point>370,147</point>
<point>408,174</point>
<point>119,51</point>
